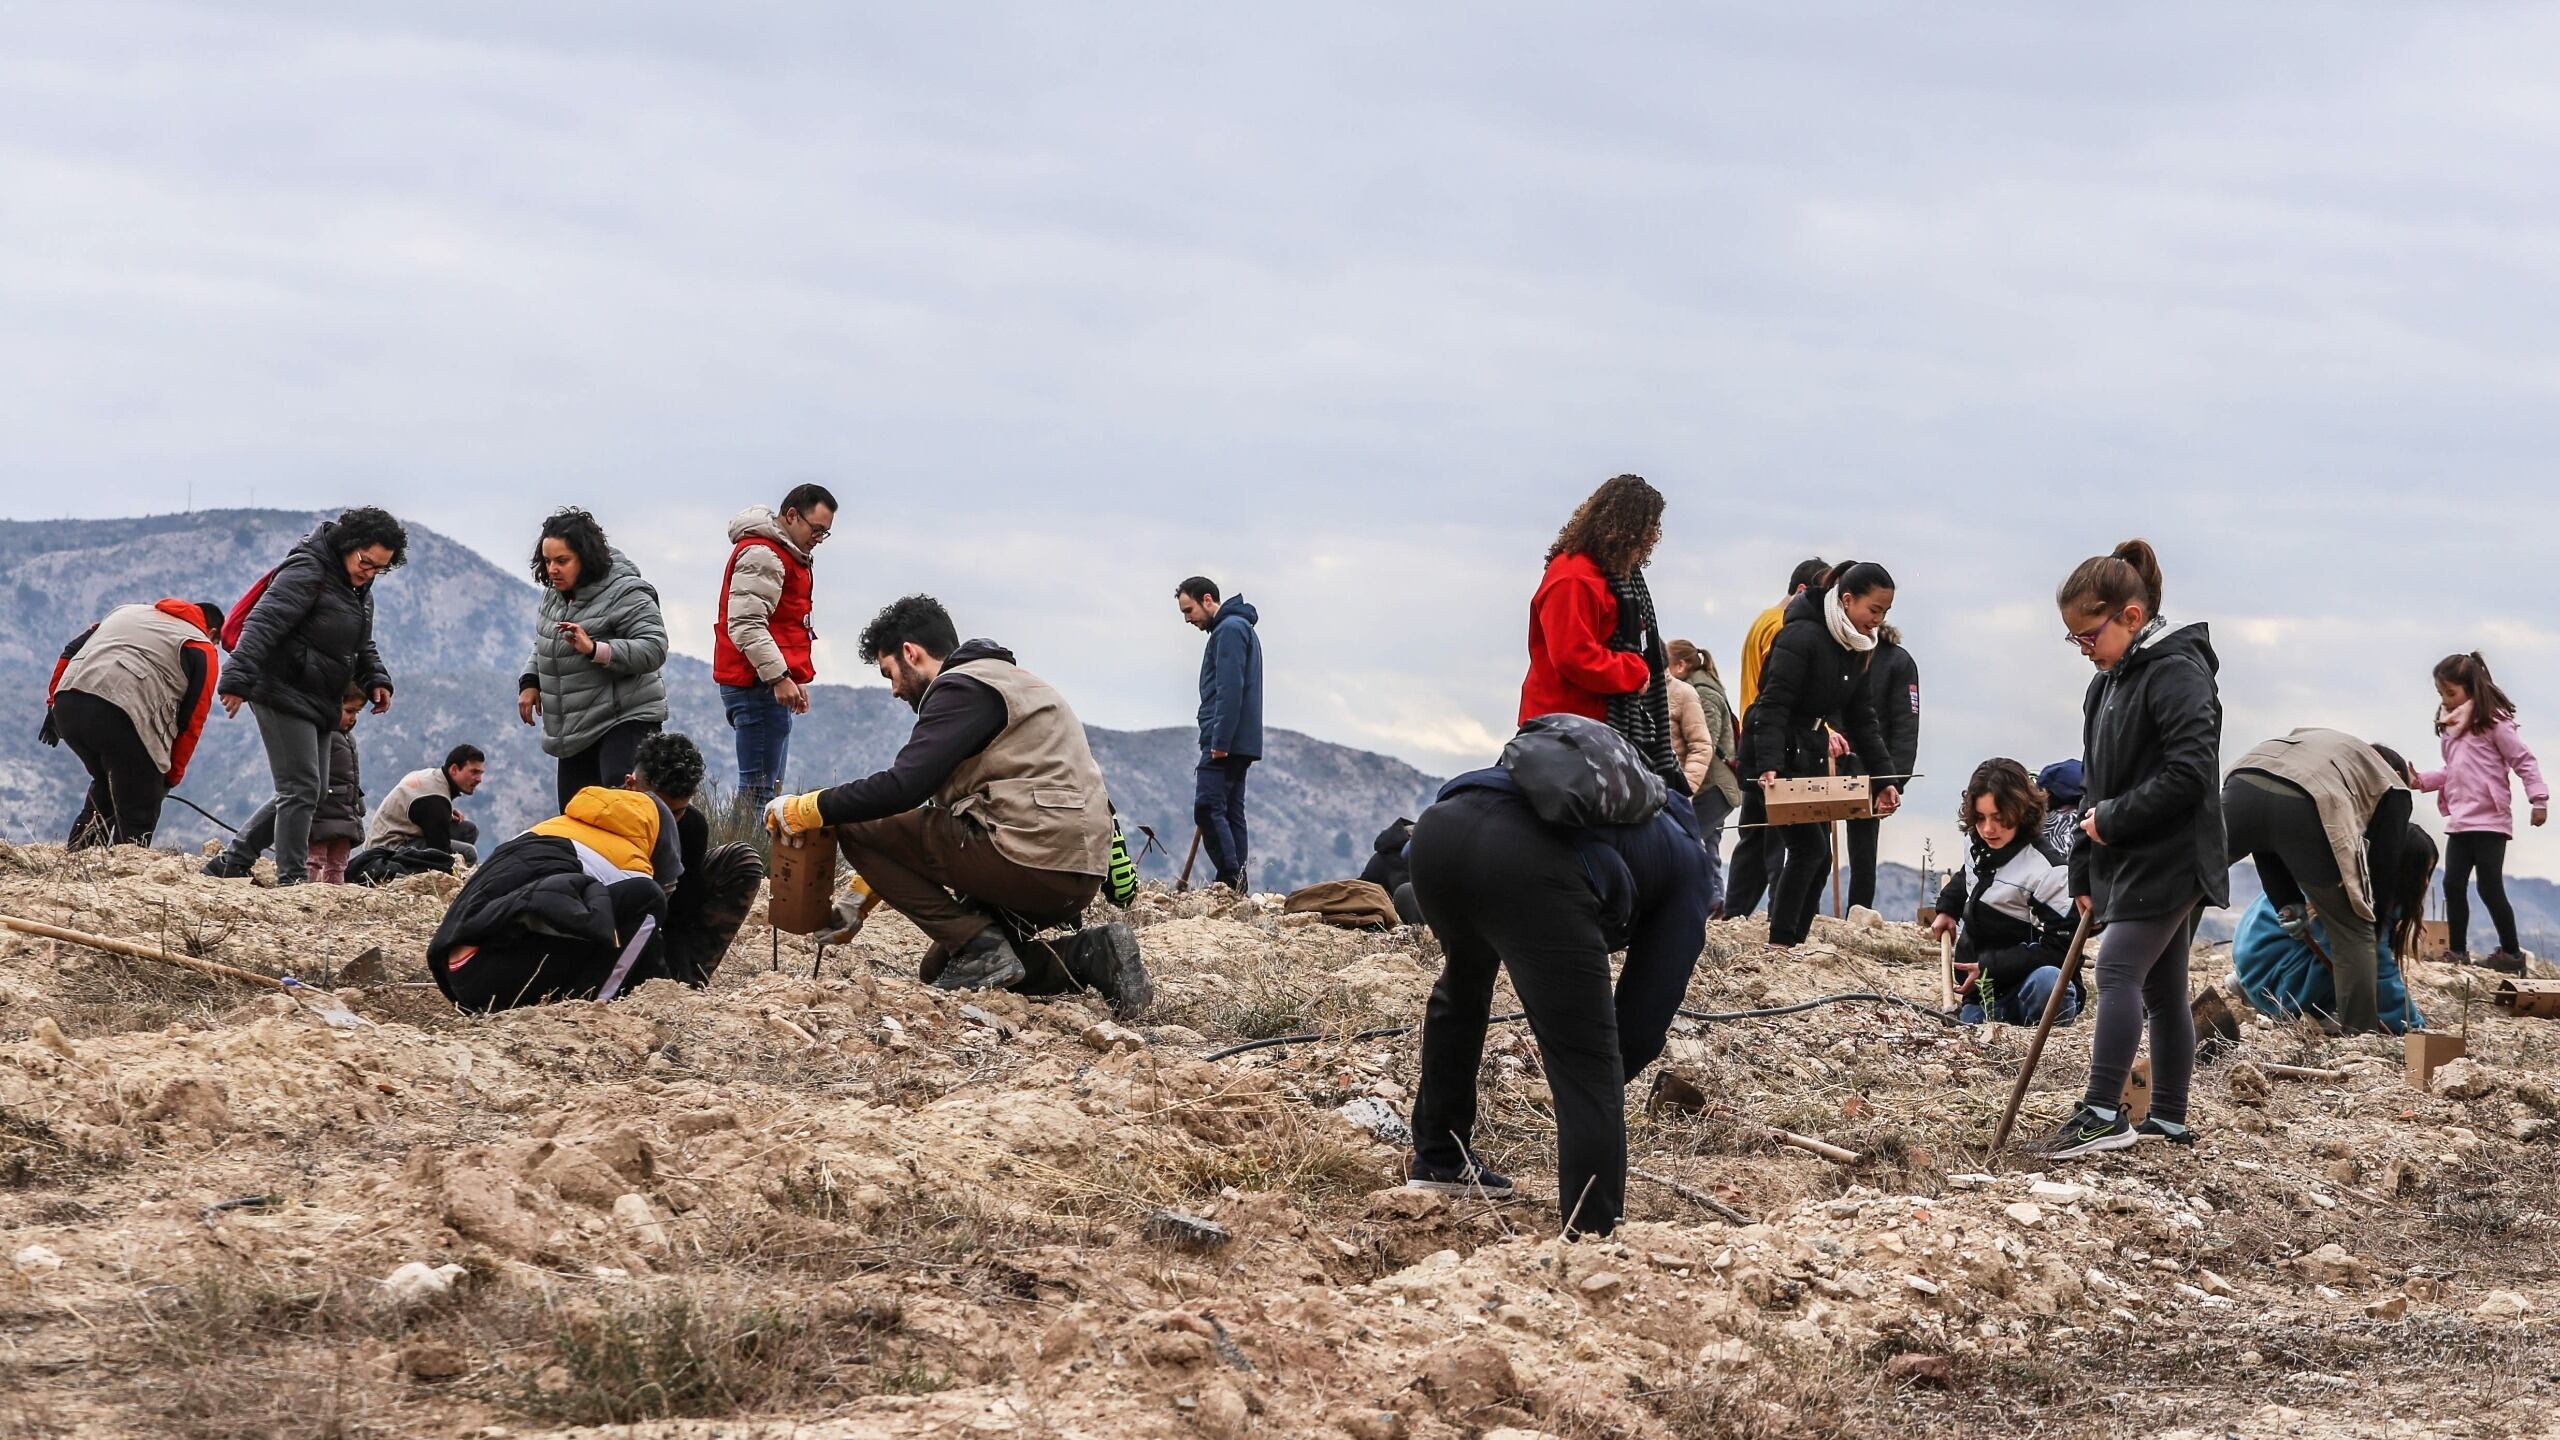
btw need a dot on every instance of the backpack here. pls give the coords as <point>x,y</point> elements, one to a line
<point>1350,904</point>
<point>1578,772</point>
<point>236,619</point>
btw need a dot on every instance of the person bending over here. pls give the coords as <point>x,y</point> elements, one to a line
<point>2324,814</point>
<point>2014,901</point>
<point>717,891</point>
<point>992,823</point>
<point>1541,866</point>
<point>554,912</point>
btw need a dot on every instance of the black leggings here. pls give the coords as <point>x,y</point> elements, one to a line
<point>1862,861</point>
<point>1505,892</point>
<point>2486,852</point>
<point>125,787</point>
<point>607,762</point>
<point>1797,896</point>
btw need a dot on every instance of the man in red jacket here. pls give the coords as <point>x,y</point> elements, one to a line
<point>760,649</point>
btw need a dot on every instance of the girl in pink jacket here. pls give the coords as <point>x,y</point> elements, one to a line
<point>2477,728</point>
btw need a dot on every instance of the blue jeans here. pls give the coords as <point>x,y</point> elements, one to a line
<point>2025,1005</point>
<point>1217,806</point>
<point>1712,810</point>
<point>764,739</point>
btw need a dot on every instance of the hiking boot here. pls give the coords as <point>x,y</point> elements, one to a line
<point>1106,958</point>
<point>1474,1179</point>
<point>985,963</point>
<point>227,866</point>
<point>2162,1130</point>
<point>2502,960</point>
<point>2085,1133</point>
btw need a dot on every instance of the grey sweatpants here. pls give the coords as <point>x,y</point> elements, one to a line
<point>2142,970</point>
<point>298,759</point>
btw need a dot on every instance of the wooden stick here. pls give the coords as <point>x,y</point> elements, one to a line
<point>1188,860</point>
<point>2299,1072</point>
<point>1831,767</point>
<point>1811,1146</point>
<point>1946,972</point>
<point>140,952</point>
<point>1692,1192</point>
<point>2044,1028</point>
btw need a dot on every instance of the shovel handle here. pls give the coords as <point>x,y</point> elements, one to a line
<point>2044,1028</point>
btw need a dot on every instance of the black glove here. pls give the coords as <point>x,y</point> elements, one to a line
<point>47,733</point>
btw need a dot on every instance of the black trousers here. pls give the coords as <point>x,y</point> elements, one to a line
<point>2277,824</point>
<point>1503,892</point>
<point>532,969</point>
<point>2483,852</point>
<point>607,762</point>
<point>1797,897</point>
<point>125,787</point>
<point>1862,861</point>
<point>1750,878</point>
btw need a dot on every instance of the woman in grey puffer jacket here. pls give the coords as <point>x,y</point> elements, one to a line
<point>593,680</point>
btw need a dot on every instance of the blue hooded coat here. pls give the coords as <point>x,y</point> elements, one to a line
<point>1231,683</point>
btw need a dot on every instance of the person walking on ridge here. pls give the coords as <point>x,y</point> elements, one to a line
<point>1230,720</point>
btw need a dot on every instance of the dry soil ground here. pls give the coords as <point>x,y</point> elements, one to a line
<point>854,1206</point>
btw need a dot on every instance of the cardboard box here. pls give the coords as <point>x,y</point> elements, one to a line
<point>1818,800</point>
<point>2435,939</point>
<point>2430,1051</point>
<point>800,890</point>
<point>1928,916</point>
<point>2529,997</point>
<point>2137,1093</point>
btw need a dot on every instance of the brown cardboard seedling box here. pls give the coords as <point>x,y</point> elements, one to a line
<point>2430,1051</point>
<point>2137,1093</point>
<point>1817,800</point>
<point>2529,997</point>
<point>2435,938</point>
<point>1928,916</point>
<point>801,892</point>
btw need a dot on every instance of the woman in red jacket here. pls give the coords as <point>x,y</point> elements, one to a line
<point>1595,649</point>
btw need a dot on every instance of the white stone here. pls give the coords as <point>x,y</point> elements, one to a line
<point>2057,1192</point>
<point>38,1257</point>
<point>2026,1215</point>
<point>640,1221</point>
<point>417,1282</point>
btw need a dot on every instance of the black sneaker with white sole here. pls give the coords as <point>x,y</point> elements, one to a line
<point>1473,1179</point>
<point>2086,1133</point>
<point>2161,1130</point>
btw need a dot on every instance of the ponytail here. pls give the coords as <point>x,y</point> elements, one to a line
<point>2129,575</point>
<point>1857,577</point>
<point>2470,674</point>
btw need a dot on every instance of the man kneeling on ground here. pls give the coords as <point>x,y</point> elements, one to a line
<point>553,913</point>
<point>991,824</point>
<point>2010,909</point>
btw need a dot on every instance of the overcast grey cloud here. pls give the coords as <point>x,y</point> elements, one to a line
<point>1348,308</point>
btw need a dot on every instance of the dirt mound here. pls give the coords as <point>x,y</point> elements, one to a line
<point>850,1205</point>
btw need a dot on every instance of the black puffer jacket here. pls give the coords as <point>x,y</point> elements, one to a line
<point>340,815</point>
<point>531,885</point>
<point>1388,868</point>
<point>1891,684</point>
<point>2151,735</point>
<point>309,635</point>
<point>1810,679</point>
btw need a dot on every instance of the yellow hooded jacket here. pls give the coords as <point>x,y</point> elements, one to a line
<point>620,825</point>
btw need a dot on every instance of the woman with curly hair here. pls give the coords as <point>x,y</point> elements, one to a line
<point>593,681</point>
<point>1595,649</point>
<point>307,638</point>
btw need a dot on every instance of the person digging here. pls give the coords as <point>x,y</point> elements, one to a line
<point>990,825</point>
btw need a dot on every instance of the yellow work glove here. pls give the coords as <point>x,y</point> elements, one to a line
<point>792,816</point>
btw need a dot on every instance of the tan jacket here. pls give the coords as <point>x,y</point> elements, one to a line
<point>1035,789</point>
<point>132,661</point>
<point>1691,740</point>
<point>2347,780</point>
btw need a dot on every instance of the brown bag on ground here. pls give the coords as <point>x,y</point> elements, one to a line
<point>1351,904</point>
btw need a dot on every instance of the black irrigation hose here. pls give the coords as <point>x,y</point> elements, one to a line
<point>1708,1016</point>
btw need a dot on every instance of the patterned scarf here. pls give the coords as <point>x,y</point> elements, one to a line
<point>1644,716</point>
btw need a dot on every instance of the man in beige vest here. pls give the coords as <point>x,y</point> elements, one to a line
<point>2323,814</point>
<point>991,824</point>
<point>129,696</point>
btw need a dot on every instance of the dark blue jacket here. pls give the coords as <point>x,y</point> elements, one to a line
<point>1231,683</point>
<point>1650,879</point>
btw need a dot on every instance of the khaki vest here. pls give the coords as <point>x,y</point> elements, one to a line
<point>391,824</point>
<point>1035,789</point>
<point>620,825</point>
<point>132,663</point>
<point>2346,779</point>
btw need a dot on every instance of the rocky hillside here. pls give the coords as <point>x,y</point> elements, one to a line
<point>455,629</point>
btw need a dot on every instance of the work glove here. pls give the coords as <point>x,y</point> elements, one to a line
<point>789,817</point>
<point>847,916</point>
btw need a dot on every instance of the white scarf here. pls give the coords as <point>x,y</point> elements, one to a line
<point>1847,634</point>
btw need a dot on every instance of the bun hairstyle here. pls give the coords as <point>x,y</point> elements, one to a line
<point>1857,577</point>
<point>2106,583</point>
<point>2014,796</point>
<point>2470,675</point>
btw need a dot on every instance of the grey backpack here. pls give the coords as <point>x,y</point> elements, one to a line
<point>1577,771</point>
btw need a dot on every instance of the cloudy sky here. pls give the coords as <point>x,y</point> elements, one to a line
<point>1348,309</point>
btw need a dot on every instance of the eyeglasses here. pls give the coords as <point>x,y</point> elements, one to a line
<point>369,565</point>
<point>2087,639</point>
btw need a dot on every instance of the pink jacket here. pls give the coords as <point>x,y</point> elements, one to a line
<point>2472,791</point>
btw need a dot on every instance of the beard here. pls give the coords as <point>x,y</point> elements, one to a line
<point>906,684</point>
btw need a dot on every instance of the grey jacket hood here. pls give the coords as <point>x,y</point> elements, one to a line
<point>759,521</point>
